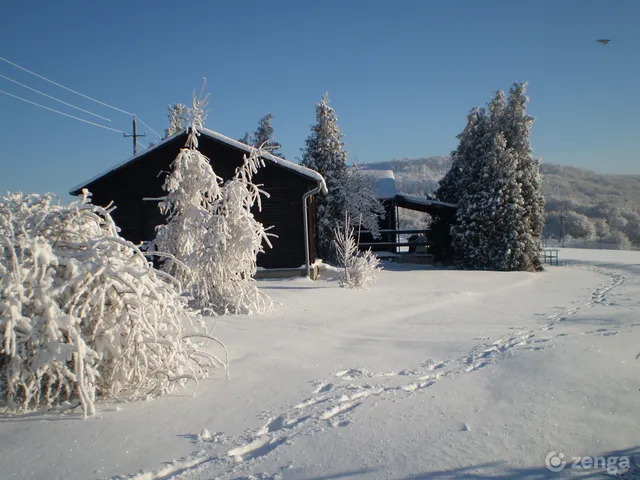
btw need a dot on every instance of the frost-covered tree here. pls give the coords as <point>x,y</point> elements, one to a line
<point>578,226</point>
<point>211,230</point>
<point>601,227</point>
<point>458,179</point>
<point>262,137</point>
<point>361,202</point>
<point>356,269</point>
<point>633,231</point>
<point>517,128</point>
<point>324,153</point>
<point>465,158</point>
<point>84,314</point>
<point>192,189</point>
<point>496,185</point>
<point>178,119</point>
<point>223,269</point>
<point>491,229</point>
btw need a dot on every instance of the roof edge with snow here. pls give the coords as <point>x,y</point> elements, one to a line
<point>297,168</point>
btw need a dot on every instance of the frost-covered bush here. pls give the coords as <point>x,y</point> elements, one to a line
<point>211,230</point>
<point>83,313</point>
<point>355,269</point>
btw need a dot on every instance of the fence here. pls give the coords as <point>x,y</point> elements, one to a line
<point>394,240</point>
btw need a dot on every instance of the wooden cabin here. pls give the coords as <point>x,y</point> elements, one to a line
<point>392,238</point>
<point>135,187</point>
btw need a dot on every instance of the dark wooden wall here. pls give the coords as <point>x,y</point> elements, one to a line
<point>144,178</point>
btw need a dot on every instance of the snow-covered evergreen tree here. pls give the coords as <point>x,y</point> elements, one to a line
<point>466,160</point>
<point>492,229</point>
<point>211,230</point>
<point>262,137</point>
<point>84,314</point>
<point>324,153</point>
<point>192,189</point>
<point>517,126</point>
<point>496,185</point>
<point>178,119</point>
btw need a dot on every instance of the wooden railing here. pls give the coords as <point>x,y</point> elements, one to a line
<point>399,243</point>
<point>550,255</point>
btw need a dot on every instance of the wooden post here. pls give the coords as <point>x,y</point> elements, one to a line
<point>135,136</point>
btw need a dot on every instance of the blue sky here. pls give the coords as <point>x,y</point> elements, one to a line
<point>402,76</point>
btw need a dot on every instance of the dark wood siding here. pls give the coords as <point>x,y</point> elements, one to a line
<point>144,177</point>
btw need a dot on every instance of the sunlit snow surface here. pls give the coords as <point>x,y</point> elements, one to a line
<point>429,374</point>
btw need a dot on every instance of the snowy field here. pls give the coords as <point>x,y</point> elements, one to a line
<point>430,374</point>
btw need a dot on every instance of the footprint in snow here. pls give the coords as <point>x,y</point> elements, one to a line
<point>339,410</point>
<point>323,388</point>
<point>353,374</point>
<point>432,364</point>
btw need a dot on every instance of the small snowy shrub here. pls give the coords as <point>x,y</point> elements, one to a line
<point>355,269</point>
<point>82,312</point>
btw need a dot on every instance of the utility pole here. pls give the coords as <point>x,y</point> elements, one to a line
<point>135,135</point>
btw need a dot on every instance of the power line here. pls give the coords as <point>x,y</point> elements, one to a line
<point>77,93</point>
<point>151,129</point>
<point>66,88</point>
<point>141,145</point>
<point>53,98</point>
<point>62,113</point>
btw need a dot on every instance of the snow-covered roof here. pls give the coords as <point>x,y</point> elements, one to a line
<point>386,183</point>
<point>296,167</point>
<point>299,169</point>
<point>385,178</point>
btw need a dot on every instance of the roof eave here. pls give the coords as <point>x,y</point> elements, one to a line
<point>77,190</point>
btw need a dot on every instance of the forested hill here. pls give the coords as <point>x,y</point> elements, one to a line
<point>594,205</point>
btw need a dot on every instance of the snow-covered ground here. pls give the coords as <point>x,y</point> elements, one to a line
<point>429,374</point>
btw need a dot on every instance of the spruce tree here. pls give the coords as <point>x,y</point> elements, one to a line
<point>517,130</point>
<point>464,157</point>
<point>456,181</point>
<point>263,136</point>
<point>491,225</point>
<point>324,153</point>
